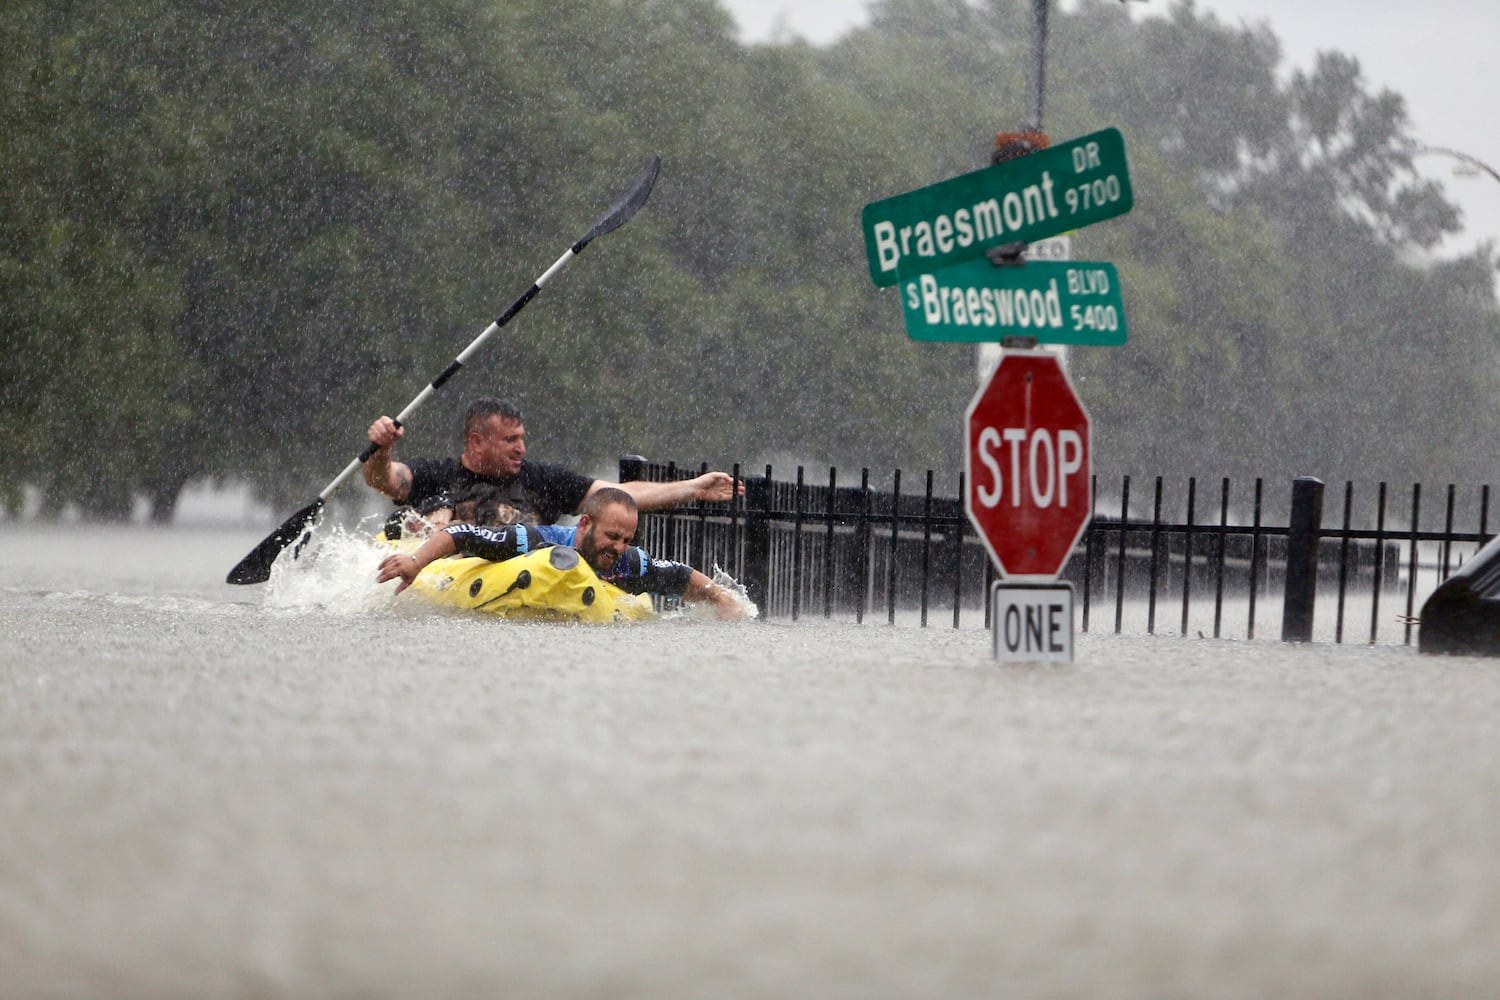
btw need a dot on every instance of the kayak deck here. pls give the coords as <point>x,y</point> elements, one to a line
<point>551,584</point>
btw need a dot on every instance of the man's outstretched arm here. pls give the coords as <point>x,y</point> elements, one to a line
<point>711,487</point>
<point>701,589</point>
<point>407,566</point>
<point>494,544</point>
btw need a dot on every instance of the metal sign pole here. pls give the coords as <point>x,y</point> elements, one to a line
<point>1037,84</point>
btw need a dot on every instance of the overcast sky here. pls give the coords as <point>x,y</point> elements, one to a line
<point>1443,56</point>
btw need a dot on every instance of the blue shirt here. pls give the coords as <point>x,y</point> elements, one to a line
<point>635,572</point>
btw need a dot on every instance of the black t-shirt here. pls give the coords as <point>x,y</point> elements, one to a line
<point>538,494</point>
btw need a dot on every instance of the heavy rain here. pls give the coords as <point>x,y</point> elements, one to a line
<point>234,235</point>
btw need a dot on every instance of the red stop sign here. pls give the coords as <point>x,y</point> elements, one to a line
<point>1026,468</point>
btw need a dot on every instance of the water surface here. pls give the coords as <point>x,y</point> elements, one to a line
<point>306,789</point>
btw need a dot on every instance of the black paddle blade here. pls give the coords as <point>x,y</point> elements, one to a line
<point>629,204</point>
<point>256,567</point>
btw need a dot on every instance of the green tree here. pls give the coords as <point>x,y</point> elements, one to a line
<point>232,234</point>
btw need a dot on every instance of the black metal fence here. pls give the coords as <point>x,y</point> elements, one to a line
<point>1181,558</point>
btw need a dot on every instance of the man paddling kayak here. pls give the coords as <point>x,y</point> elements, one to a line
<point>491,483</point>
<point>602,537</point>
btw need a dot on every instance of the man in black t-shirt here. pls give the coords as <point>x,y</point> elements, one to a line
<point>492,483</point>
<point>536,494</point>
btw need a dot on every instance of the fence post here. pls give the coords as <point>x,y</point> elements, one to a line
<point>632,467</point>
<point>758,493</point>
<point>1302,559</point>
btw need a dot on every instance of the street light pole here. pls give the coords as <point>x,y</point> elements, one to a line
<point>1036,83</point>
<point>1472,161</point>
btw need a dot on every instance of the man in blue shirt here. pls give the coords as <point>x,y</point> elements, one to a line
<point>602,537</point>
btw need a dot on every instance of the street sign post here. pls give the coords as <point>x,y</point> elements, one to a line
<point>1026,467</point>
<point>1057,302</point>
<point>987,354</point>
<point>1046,193</point>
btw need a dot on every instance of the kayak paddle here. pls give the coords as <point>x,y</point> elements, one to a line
<point>256,567</point>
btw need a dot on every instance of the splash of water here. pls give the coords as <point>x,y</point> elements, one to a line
<point>705,611</point>
<point>334,571</point>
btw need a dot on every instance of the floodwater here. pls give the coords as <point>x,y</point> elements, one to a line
<point>294,790</point>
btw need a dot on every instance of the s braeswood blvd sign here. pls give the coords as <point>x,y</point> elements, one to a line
<point>1057,302</point>
<point>1047,193</point>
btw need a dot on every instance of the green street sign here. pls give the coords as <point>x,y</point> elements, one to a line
<point>1044,194</point>
<point>1057,302</point>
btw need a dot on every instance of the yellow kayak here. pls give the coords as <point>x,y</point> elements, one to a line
<point>551,584</point>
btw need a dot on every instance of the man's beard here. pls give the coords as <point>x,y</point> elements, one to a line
<point>589,550</point>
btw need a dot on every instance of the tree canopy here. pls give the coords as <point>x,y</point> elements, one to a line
<point>232,234</point>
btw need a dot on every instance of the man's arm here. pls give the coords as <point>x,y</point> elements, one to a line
<point>494,544</point>
<point>726,607</point>
<point>711,487</point>
<point>408,566</point>
<point>637,573</point>
<point>381,471</point>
